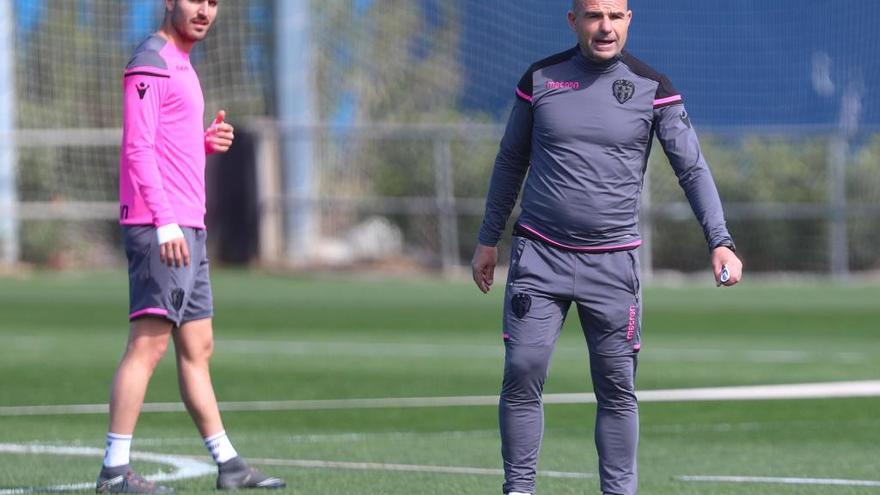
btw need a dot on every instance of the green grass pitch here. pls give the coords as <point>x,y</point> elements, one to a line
<point>282,338</point>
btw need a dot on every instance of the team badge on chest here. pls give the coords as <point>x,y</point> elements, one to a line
<point>623,90</point>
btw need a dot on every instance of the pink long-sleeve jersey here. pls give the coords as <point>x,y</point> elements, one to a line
<point>162,164</point>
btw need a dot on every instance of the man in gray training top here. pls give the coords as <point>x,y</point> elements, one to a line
<point>583,121</point>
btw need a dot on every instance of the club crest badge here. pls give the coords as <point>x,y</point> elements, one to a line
<point>520,304</point>
<point>685,119</point>
<point>177,298</point>
<point>623,90</point>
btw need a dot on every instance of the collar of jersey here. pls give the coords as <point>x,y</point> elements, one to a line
<point>169,49</point>
<point>597,67</point>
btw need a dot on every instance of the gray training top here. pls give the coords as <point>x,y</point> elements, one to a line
<point>586,129</point>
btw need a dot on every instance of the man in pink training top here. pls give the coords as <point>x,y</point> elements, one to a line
<point>162,211</point>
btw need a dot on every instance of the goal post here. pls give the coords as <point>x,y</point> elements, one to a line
<point>8,196</point>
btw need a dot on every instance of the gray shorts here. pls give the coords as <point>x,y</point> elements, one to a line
<point>544,280</point>
<point>180,294</point>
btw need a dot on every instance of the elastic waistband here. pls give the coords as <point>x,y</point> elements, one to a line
<point>151,226</point>
<point>532,234</point>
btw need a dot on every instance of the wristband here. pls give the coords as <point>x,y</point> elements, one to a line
<point>168,232</point>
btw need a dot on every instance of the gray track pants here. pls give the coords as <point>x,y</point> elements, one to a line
<point>542,283</point>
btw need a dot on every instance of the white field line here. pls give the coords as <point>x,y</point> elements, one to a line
<point>184,467</point>
<point>868,424</point>
<point>779,481</point>
<point>189,467</point>
<point>492,434</point>
<point>418,350</point>
<point>413,468</point>
<point>757,392</point>
<point>344,437</point>
<point>417,468</point>
<point>423,350</point>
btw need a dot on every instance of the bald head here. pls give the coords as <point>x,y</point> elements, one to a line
<point>580,6</point>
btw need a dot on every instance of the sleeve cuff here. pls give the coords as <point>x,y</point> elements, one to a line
<point>169,232</point>
<point>725,243</point>
<point>488,240</point>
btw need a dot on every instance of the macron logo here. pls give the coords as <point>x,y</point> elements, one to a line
<point>562,84</point>
<point>142,88</point>
<point>631,324</point>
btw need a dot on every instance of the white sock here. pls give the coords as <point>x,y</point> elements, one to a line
<point>118,450</point>
<point>518,493</point>
<point>220,446</point>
